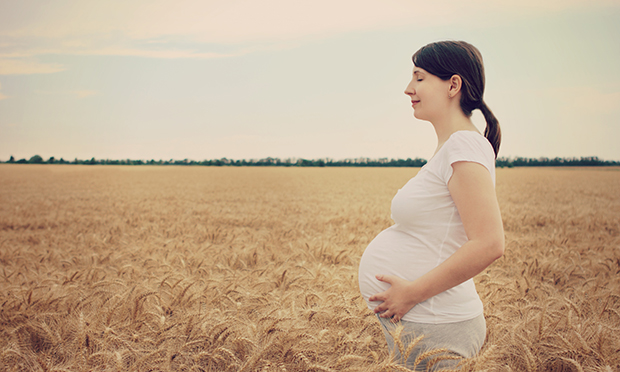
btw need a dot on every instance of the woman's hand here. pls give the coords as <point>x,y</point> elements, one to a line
<point>397,300</point>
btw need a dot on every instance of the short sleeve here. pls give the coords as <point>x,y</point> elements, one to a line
<point>467,146</point>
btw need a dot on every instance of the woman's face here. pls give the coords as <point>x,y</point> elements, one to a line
<point>429,95</point>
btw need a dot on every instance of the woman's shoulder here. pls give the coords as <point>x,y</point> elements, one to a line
<point>466,146</point>
<point>465,142</point>
<point>467,136</point>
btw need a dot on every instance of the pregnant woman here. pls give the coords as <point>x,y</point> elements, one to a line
<point>447,223</point>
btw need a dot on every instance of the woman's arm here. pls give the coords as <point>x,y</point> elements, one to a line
<point>473,193</point>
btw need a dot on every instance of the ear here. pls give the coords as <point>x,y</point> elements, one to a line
<point>455,85</point>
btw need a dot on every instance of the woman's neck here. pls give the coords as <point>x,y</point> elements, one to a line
<point>444,129</point>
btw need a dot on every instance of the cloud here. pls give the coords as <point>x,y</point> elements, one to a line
<point>200,29</point>
<point>84,93</point>
<point>74,93</point>
<point>232,21</point>
<point>165,54</point>
<point>597,101</point>
<point>589,100</point>
<point>22,66</point>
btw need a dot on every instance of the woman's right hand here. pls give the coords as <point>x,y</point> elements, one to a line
<point>397,300</point>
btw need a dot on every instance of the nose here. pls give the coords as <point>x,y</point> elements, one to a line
<point>409,90</point>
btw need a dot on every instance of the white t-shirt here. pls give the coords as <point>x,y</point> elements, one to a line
<point>427,230</point>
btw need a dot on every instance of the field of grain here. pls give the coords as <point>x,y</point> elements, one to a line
<point>111,268</point>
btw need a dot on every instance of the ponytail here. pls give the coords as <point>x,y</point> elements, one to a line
<point>492,132</point>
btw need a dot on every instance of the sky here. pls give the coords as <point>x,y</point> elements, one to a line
<point>246,79</point>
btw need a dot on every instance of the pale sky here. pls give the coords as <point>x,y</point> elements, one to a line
<point>245,79</point>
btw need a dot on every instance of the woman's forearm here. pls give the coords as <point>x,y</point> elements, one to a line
<point>468,261</point>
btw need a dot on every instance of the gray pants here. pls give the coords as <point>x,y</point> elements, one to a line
<point>461,339</point>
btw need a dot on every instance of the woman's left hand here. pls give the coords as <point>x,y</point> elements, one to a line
<point>397,300</point>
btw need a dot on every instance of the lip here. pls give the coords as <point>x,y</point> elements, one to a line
<point>413,103</point>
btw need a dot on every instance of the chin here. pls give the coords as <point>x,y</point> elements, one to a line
<point>420,115</point>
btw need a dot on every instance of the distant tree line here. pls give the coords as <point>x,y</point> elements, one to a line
<point>588,161</point>
<point>357,162</point>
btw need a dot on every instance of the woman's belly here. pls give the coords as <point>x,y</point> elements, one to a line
<point>394,252</point>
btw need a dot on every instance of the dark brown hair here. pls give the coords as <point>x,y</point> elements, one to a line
<point>445,59</point>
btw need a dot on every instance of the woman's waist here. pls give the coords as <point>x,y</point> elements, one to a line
<point>455,304</point>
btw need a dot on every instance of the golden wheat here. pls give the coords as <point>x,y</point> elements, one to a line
<point>255,269</point>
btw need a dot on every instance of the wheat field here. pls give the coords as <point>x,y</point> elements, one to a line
<point>113,268</point>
